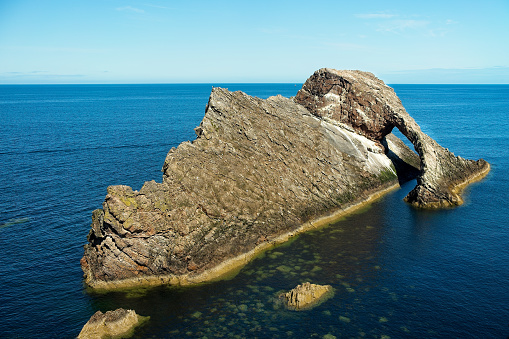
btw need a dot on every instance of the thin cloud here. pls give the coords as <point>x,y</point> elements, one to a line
<point>23,73</point>
<point>345,46</point>
<point>396,24</point>
<point>267,30</point>
<point>400,26</point>
<point>157,6</point>
<point>375,16</point>
<point>36,74</point>
<point>130,9</point>
<point>53,49</point>
<point>472,75</point>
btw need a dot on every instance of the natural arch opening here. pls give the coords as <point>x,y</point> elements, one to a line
<point>363,102</point>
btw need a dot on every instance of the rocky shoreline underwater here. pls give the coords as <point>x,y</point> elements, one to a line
<point>261,171</point>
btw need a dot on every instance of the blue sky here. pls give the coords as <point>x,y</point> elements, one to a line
<point>151,41</point>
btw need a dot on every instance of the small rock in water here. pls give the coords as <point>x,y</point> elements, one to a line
<point>196,315</point>
<point>306,296</point>
<point>344,319</point>
<point>120,322</point>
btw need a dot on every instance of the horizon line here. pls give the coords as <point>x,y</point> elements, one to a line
<point>221,83</point>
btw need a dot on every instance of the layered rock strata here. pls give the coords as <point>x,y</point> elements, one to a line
<point>361,101</point>
<point>259,172</point>
<point>112,324</point>
<point>306,296</point>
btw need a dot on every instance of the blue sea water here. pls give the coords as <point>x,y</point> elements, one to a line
<point>397,271</point>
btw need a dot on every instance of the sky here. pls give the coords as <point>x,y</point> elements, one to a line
<point>192,41</point>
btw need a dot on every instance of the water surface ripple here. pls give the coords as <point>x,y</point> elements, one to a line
<point>397,271</point>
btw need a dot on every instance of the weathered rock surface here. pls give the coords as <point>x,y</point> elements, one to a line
<point>306,296</point>
<point>363,102</point>
<point>117,324</point>
<point>259,172</point>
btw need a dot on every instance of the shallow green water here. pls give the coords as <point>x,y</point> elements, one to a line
<point>347,255</point>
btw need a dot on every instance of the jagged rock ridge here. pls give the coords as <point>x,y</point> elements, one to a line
<point>258,172</point>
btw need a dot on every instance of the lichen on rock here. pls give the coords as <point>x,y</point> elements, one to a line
<point>306,296</point>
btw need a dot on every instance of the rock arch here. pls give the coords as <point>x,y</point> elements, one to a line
<point>364,103</point>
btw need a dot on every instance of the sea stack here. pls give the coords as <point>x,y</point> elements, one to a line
<point>261,171</point>
<point>363,102</point>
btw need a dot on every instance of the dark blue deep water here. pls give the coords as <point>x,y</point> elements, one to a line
<point>397,272</point>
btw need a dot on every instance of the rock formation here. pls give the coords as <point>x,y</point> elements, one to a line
<point>306,296</point>
<point>363,102</point>
<point>118,323</point>
<point>258,172</point>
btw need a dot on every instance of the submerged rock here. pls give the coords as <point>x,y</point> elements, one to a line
<point>259,172</point>
<point>306,296</point>
<point>119,324</point>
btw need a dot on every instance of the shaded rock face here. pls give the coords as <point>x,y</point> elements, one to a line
<point>306,296</point>
<point>363,102</point>
<point>258,170</point>
<point>118,323</point>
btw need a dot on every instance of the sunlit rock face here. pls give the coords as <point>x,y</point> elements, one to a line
<point>261,171</point>
<point>306,296</point>
<point>119,323</point>
<point>372,109</point>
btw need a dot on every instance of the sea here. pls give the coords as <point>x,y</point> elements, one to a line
<point>397,272</point>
